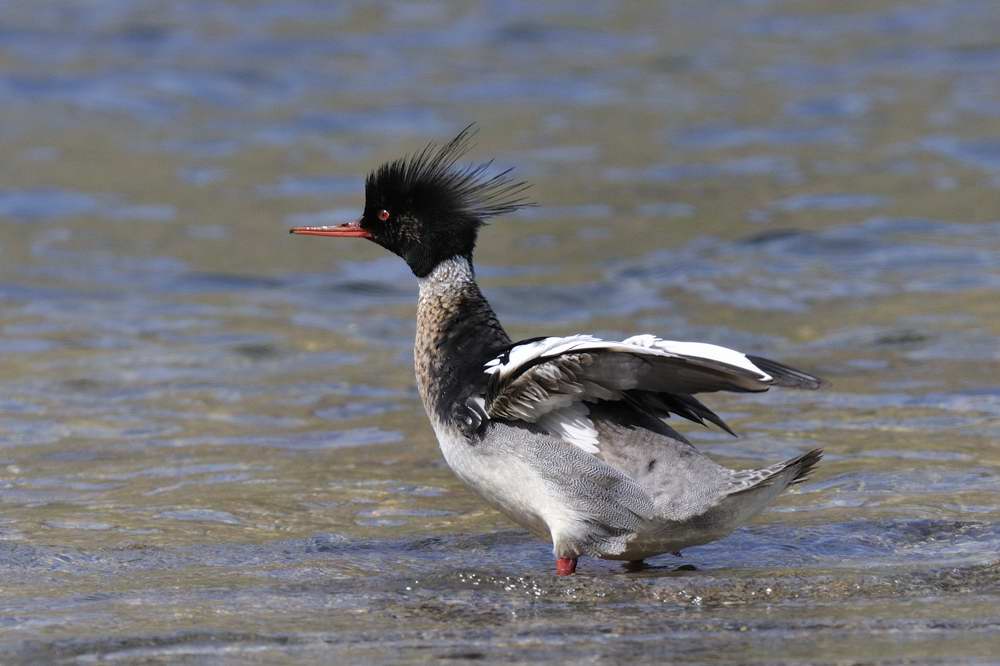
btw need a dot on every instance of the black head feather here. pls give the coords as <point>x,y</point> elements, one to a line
<point>426,208</point>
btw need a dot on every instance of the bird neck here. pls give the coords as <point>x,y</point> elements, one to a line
<point>457,333</point>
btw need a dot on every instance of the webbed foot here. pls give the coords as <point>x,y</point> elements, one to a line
<point>565,566</point>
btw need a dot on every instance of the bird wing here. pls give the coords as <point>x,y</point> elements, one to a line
<point>549,381</point>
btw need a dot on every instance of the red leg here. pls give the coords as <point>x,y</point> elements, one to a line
<point>565,566</point>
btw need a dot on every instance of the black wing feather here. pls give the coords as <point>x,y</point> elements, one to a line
<point>786,376</point>
<point>685,406</point>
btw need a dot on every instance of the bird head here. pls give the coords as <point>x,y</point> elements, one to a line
<point>426,208</point>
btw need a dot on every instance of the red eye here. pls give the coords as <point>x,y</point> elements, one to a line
<point>383,215</point>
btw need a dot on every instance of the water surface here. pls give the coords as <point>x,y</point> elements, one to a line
<point>212,449</point>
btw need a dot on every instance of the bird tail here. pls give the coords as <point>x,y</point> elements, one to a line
<point>783,474</point>
<point>803,465</point>
<point>750,491</point>
<point>754,489</point>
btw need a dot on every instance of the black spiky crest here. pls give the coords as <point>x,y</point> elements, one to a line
<point>436,207</point>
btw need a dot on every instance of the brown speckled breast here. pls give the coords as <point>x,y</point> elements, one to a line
<point>457,333</point>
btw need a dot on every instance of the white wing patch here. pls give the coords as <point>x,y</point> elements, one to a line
<point>637,344</point>
<point>697,350</point>
<point>573,425</point>
<point>521,354</point>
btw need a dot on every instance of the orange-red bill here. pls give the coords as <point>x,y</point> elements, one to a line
<point>348,230</point>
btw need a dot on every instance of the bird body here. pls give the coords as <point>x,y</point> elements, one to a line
<point>564,435</point>
<point>645,492</point>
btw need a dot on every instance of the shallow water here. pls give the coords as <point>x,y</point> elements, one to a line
<point>212,448</point>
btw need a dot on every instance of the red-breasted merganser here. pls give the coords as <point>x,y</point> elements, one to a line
<point>565,435</point>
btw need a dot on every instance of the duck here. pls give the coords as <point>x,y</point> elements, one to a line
<point>569,436</point>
